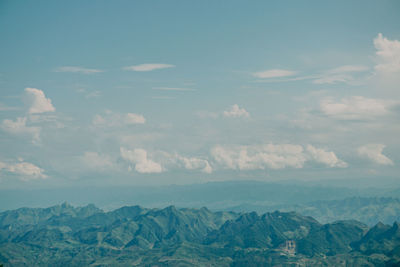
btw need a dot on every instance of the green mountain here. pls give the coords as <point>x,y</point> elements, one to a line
<point>380,239</point>
<point>63,235</point>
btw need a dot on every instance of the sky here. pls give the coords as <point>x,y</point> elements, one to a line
<point>101,93</point>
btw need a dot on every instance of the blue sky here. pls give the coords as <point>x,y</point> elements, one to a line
<point>162,92</point>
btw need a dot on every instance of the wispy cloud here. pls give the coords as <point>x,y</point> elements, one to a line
<point>113,119</point>
<point>76,69</point>
<point>148,67</point>
<point>89,94</point>
<point>340,74</point>
<point>273,73</point>
<point>349,68</point>
<point>355,108</point>
<point>344,74</point>
<point>173,89</point>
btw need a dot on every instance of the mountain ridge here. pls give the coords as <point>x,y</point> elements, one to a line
<point>64,234</point>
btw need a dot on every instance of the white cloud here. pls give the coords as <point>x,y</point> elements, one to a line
<point>271,157</point>
<point>142,163</point>
<point>76,69</point>
<point>25,170</point>
<point>388,54</point>
<point>149,67</point>
<point>349,68</point>
<point>193,163</point>
<point>163,161</point>
<point>331,79</point>
<point>132,118</point>
<point>340,74</point>
<point>19,127</point>
<point>274,73</point>
<point>235,112</point>
<point>325,157</point>
<point>259,157</point>
<point>355,107</point>
<point>96,161</point>
<point>38,101</point>
<point>113,119</point>
<point>89,94</point>
<point>173,89</point>
<point>344,74</point>
<point>373,152</point>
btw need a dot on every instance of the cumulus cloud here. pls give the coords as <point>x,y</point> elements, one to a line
<point>139,158</point>
<point>161,161</point>
<point>236,112</point>
<point>19,127</point>
<point>271,156</point>
<point>259,157</point>
<point>76,69</point>
<point>355,107</point>
<point>149,67</point>
<point>373,152</point>
<point>38,101</point>
<point>24,170</point>
<point>110,119</point>
<point>273,73</point>
<point>96,161</point>
<point>196,164</point>
<point>388,55</point>
<point>325,157</point>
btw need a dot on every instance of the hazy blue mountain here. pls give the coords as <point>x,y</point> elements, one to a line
<point>220,195</point>
<point>369,210</point>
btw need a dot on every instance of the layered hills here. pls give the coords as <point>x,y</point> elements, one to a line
<point>64,235</point>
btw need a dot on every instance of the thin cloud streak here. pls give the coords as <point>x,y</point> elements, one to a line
<point>75,69</point>
<point>173,89</point>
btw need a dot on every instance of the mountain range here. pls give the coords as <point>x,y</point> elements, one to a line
<point>326,203</point>
<point>64,235</point>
